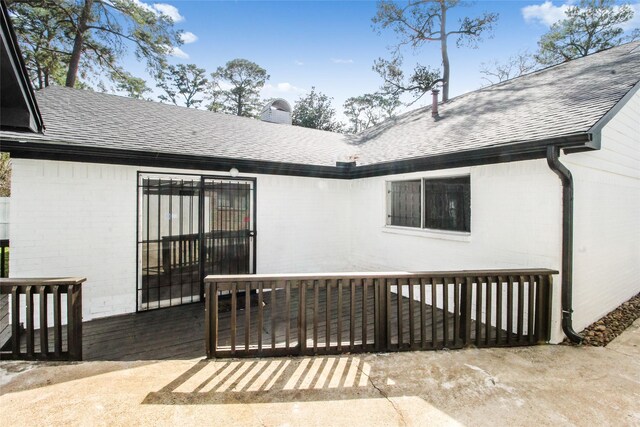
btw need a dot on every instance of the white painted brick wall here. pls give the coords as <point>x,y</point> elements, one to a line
<point>515,223</point>
<point>74,219</point>
<point>607,218</point>
<point>303,225</point>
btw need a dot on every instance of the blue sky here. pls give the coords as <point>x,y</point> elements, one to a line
<point>332,45</point>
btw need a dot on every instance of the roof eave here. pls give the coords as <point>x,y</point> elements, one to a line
<point>77,153</point>
<point>20,68</point>
<point>596,129</point>
<point>487,155</point>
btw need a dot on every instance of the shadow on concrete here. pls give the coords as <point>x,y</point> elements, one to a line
<point>270,380</point>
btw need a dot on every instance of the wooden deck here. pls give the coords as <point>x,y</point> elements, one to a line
<point>178,332</point>
<point>335,314</point>
<point>168,333</point>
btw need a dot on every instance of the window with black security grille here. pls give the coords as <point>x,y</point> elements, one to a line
<point>434,203</point>
<point>404,203</point>
<point>447,204</point>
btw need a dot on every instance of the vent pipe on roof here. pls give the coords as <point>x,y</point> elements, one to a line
<point>434,104</point>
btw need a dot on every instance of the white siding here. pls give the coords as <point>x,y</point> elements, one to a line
<point>607,218</point>
<point>74,219</point>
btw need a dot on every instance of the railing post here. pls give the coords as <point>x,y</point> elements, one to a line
<point>30,329</point>
<point>380,309</point>
<point>57,321</point>
<point>465,310</point>
<point>15,321</point>
<point>547,304</point>
<point>74,322</point>
<point>211,318</point>
<point>207,320</point>
<point>302,316</point>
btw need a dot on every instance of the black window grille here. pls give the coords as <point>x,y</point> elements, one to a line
<point>404,203</point>
<point>447,204</point>
<point>435,203</point>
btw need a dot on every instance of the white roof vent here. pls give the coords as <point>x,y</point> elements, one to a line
<point>277,111</point>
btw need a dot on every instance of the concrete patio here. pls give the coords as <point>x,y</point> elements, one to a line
<point>540,385</point>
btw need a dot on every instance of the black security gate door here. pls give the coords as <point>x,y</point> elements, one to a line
<point>228,227</point>
<point>176,214</point>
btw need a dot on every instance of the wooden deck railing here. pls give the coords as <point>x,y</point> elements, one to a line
<point>221,247</point>
<point>360,312</point>
<point>34,298</point>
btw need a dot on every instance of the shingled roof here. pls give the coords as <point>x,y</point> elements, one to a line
<point>558,102</point>
<point>86,118</point>
<point>562,100</point>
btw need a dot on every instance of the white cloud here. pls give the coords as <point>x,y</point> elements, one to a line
<point>341,61</point>
<point>161,9</point>
<point>144,6</point>
<point>635,21</point>
<point>188,37</point>
<point>545,13</point>
<point>298,63</point>
<point>284,87</point>
<point>222,85</point>
<point>283,90</point>
<point>177,52</point>
<point>169,10</point>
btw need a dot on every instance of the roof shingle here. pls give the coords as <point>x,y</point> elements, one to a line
<point>565,99</point>
<point>562,100</point>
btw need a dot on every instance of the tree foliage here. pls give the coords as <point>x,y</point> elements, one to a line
<point>43,42</point>
<point>517,65</point>
<point>314,110</point>
<point>421,81</point>
<point>88,38</point>
<point>421,21</point>
<point>369,109</point>
<point>235,88</point>
<point>183,84</point>
<point>134,87</point>
<point>5,175</point>
<point>590,26</point>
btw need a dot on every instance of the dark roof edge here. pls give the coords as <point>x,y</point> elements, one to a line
<point>23,74</point>
<point>488,155</point>
<point>596,129</point>
<point>76,153</point>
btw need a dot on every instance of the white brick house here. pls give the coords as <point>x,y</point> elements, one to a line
<point>470,189</point>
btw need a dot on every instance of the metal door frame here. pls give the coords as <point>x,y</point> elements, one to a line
<point>201,207</point>
<point>201,219</point>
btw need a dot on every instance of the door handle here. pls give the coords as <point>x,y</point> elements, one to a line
<point>251,233</point>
